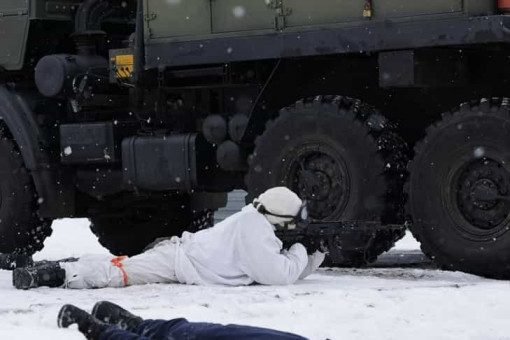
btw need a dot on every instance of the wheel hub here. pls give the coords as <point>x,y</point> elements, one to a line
<point>484,194</point>
<point>315,184</point>
<point>483,186</point>
<point>318,175</point>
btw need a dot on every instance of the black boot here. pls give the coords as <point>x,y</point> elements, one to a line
<point>113,314</point>
<point>49,274</point>
<point>14,260</point>
<point>88,325</point>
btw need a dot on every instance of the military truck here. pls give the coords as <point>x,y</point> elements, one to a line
<point>141,116</point>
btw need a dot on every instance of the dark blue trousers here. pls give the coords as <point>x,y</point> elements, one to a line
<point>181,329</point>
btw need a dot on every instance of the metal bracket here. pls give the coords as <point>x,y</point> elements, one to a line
<point>368,9</point>
<point>274,4</point>
<point>14,12</point>
<point>282,13</point>
<point>150,16</point>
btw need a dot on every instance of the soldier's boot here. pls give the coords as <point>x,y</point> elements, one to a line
<point>49,274</point>
<point>13,261</point>
<point>88,325</point>
<point>113,314</point>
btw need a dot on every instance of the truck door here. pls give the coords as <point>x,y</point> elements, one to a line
<point>177,18</point>
<point>405,8</point>
<point>305,12</point>
<point>13,33</point>
<point>242,15</point>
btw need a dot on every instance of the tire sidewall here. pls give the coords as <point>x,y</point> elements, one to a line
<point>128,234</point>
<point>435,222</point>
<point>340,131</point>
<point>16,197</point>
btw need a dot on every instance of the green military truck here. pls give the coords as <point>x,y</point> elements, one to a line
<point>143,115</point>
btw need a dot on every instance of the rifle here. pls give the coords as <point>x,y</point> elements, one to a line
<point>336,238</point>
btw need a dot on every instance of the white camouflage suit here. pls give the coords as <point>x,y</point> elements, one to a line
<point>240,250</point>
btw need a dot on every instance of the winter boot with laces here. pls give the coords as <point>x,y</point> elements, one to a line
<point>113,314</point>
<point>49,274</point>
<point>88,325</point>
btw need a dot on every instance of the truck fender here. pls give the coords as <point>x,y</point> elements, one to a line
<point>55,193</point>
<point>19,119</point>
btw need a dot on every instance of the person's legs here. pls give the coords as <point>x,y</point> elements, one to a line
<point>92,271</point>
<point>215,331</point>
<point>182,329</point>
<point>89,326</point>
<point>116,333</point>
<point>156,265</point>
<point>164,329</point>
<point>92,328</point>
<point>113,314</point>
<point>153,266</point>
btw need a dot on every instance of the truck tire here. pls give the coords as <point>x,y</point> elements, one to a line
<point>21,229</point>
<point>459,190</point>
<point>201,220</point>
<point>350,157</point>
<point>129,233</point>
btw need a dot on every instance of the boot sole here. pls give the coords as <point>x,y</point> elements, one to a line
<point>63,321</point>
<point>113,314</point>
<point>95,310</point>
<point>21,279</point>
<point>100,314</point>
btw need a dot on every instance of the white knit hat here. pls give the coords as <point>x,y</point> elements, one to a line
<point>280,201</point>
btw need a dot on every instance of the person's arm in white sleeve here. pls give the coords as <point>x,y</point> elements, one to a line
<point>261,259</point>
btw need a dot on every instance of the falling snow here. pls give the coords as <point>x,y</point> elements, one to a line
<point>239,12</point>
<point>479,152</point>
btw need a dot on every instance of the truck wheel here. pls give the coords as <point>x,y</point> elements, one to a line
<point>460,190</point>
<point>201,220</point>
<point>129,232</point>
<point>21,229</point>
<point>343,158</point>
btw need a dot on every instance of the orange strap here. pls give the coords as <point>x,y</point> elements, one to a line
<point>117,262</point>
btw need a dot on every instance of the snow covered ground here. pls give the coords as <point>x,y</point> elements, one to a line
<point>374,303</point>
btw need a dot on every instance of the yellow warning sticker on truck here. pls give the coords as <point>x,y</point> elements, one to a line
<point>124,65</point>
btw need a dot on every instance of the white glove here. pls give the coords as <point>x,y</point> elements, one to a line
<point>314,262</point>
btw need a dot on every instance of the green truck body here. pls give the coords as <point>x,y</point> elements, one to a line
<point>196,19</point>
<point>193,19</point>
